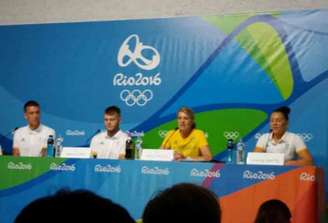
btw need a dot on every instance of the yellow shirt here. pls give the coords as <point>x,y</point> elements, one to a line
<point>189,146</point>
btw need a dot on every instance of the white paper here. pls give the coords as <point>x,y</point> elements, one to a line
<point>76,152</point>
<point>157,154</point>
<point>265,158</point>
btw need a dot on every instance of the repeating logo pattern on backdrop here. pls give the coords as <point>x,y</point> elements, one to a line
<point>231,134</point>
<point>212,69</point>
<point>136,87</point>
<point>306,136</point>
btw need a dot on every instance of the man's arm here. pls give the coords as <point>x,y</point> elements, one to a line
<point>16,151</point>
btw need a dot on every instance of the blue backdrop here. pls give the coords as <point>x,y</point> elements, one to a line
<point>150,68</point>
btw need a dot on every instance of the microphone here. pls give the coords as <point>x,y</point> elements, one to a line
<point>14,130</point>
<point>11,132</point>
<point>4,137</point>
<point>168,139</point>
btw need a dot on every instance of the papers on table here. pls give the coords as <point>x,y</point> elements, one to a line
<point>157,154</point>
<point>76,152</point>
<point>265,158</point>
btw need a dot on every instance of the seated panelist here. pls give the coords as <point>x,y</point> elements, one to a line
<point>111,143</point>
<point>187,141</point>
<point>31,140</point>
<point>279,140</point>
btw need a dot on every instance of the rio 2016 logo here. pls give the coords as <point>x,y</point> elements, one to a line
<point>139,56</point>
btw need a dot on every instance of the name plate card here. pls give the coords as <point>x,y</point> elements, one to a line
<point>276,159</point>
<point>157,154</point>
<point>76,152</point>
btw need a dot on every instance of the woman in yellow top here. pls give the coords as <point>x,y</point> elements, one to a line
<point>187,141</point>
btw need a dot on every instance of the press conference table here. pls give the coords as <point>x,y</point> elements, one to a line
<point>131,183</point>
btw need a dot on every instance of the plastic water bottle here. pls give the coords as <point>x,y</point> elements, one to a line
<point>138,147</point>
<point>50,146</point>
<point>230,151</point>
<point>59,145</point>
<point>240,155</point>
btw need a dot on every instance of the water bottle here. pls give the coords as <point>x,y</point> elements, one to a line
<point>0,150</point>
<point>59,145</point>
<point>50,146</point>
<point>138,147</point>
<point>230,151</point>
<point>240,155</point>
<point>129,149</point>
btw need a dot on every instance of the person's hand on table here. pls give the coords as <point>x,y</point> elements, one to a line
<point>43,152</point>
<point>178,156</point>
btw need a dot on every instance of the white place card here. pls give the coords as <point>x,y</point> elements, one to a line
<point>76,152</point>
<point>265,158</point>
<point>157,154</point>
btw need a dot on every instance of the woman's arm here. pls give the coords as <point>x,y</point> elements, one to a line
<point>205,154</point>
<point>259,150</point>
<point>304,158</point>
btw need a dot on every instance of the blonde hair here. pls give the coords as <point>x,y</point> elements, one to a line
<point>189,113</point>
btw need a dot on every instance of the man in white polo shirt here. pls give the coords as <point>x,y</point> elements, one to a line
<point>111,143</point>
<point>31,140</point>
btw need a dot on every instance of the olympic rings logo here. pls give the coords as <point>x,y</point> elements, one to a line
<point>231,135</point>
<point>162,133</point>
<point>136,55</point>
<point>136,97</point>
<point>306,136</point>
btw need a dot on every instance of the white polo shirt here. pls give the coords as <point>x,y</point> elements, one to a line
<point>30,142</point>
<point>109,147</point>
<point>289,144</point>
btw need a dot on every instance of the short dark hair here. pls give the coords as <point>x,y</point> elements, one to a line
<point>272,211</point>
<point>73,206</point>
<point>183,202</point>
<point>284,110</point>
<point>113,109</point>
<point>30,103</point>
